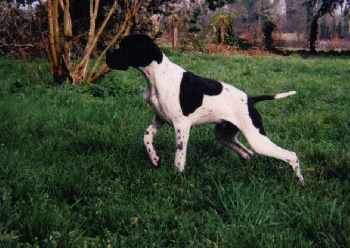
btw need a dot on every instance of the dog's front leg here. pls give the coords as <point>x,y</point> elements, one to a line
<point>151,131</point>
<point>182,133</point>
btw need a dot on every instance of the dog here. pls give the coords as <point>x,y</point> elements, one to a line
<point>183,99</point>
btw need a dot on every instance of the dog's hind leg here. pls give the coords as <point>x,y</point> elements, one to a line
<point>226,133</point>
<point>151,131</point>
<point>264,146</point>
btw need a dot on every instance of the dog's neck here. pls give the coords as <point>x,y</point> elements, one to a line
<point>154,69</point>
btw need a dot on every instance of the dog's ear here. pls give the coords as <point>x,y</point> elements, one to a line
<point>158,55</point>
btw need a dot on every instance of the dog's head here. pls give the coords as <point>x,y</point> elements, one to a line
<point>137,50</point>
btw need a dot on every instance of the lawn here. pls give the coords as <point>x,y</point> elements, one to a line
<point>74,171</point>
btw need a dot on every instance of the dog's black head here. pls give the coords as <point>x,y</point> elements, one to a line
<point>137,50</point>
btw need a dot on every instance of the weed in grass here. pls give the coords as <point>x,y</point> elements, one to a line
<point>73,170</point>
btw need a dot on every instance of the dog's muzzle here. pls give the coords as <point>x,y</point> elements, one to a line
<point>116,59</point>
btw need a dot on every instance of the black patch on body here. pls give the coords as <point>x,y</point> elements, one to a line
<point>255,116</point>
<point>192,91</point>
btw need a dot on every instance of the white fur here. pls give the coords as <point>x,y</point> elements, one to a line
<point>283,95</point>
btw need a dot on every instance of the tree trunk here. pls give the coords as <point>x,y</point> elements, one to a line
<point>174,23</point>
<point>222,30</point>
<point>54,48</point>
<point>67,32</point>
<point>175,38</point>
<point>313,35</point>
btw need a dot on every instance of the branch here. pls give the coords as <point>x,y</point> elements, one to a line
<point>89,47</point>
<point>103,71</point>
<point>124,29</point>
<point>17,45</point>
<point>267,11</point>
<point>98,36</point>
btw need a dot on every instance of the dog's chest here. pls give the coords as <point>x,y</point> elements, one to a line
<point>163,89</point>
<point>164,99</point>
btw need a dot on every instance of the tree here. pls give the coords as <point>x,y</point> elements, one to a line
<point>21,30</point>
<point>223,26</point>
<point>316,9</point>
<point>61,35</point>
<point>268,29</point>
<point>346,24</point>
<point>173,23</point>
<point>252,14</point>
<point>296,16</point>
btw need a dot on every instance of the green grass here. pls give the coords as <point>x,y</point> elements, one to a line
<point>74,172</point>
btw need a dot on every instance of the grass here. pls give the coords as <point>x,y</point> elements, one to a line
<point>74,172</point>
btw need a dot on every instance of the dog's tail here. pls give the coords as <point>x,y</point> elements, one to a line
<point>255,99</point>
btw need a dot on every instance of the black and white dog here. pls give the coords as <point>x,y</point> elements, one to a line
<point>183,99</point>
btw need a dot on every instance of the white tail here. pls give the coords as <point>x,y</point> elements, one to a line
<point>286,94</point>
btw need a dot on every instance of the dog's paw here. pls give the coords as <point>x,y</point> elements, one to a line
<point>246,156</point>
<point>245,153</point>
<point>155,160</point>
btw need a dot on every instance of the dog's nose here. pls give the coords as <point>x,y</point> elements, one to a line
<point>110,51</point>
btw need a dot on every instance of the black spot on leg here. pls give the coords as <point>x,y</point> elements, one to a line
<point>180,146</point>
<point>146,133</point>
<point>192,91</point>
<point>158,161</point>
